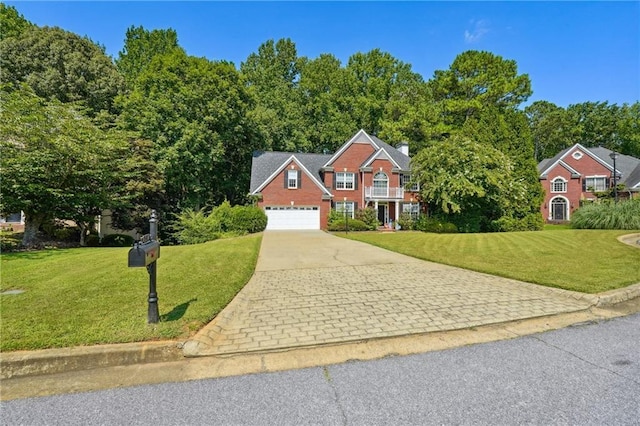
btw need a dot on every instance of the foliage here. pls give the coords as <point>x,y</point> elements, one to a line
<point>538,257</point>
<point>369,216</point>
<point>194,227</point>
<point>531,222</point>
<point>140,47</point>
<point>348,225</point>
<point>406,221</point>
<point>55,162</point>
<point>79,297</point>
<point>9,241</point>
<point>432,224</point>
<point>469,182</point>
<point>60,65</point>
<point>117,240</point>
<point>13,23</point>
<point>608,215</point>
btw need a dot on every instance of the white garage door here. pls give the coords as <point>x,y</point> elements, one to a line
<point>282,218</point>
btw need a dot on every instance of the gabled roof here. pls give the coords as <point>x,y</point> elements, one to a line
<point>566,166</point>
<point>267,165</point>
<point>380,154</point>
<point>627,167</point>
<point>401,161</point>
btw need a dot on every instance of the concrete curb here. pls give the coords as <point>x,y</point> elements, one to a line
<point>52,361</point>
<point>23,364</point>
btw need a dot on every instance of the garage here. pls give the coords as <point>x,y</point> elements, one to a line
<point>290,218</point>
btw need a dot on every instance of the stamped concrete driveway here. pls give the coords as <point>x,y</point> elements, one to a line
<point>312,288</point>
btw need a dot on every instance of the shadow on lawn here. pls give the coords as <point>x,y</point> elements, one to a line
<point>177,312</point>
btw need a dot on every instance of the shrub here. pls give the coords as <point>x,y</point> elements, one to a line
<point>406,222</point>
<point>92,240</point>
<point>350,224</point>
<point>246,219</point>
<point>431,224</point>
<point>8,241</point>
<point>194,227</point>
<point>608,215</point>
<point>115,240</point>
<point>531,222</point>
<point>369,216</point>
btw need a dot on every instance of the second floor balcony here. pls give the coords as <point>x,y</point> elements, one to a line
<point>383,193</point>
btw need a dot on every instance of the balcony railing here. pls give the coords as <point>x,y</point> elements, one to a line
<point>371,193</point>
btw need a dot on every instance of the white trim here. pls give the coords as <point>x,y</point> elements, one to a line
<point>377,155</point>
<point>349,142</point>
<point>567,211</point>
<point>559,162</point>
<point>282,167</point>
<point>570,152</point>
<point>552,183</point>
<point>577,154</point>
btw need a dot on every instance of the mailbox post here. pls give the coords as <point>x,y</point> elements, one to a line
<point>145,253</point>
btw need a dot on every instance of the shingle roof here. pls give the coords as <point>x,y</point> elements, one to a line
<point>402,160</point>
<point>628,167</point>
<point>265,163</point>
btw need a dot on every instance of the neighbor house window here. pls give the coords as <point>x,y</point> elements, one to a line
<point>413,209</point>
<point>406,180</point>
<point>292,179</point>
<point>345,180</point>
<point>349,206</point>
<point>595,184</point>
<point>559,185</point>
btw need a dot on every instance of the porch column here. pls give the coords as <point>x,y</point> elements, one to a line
<point>397,211</point>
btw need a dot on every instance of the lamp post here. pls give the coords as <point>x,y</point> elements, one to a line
<point>613,156</point>
<point>346,221</point>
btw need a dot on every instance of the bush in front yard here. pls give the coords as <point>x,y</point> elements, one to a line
<point>432,224</point>
<point>369,216</point>
<point>351,225</point>
<point>531,222</point>
<point>608,215</point>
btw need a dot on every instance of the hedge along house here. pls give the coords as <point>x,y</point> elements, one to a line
<point>577,174</point>
<point>297,191</point>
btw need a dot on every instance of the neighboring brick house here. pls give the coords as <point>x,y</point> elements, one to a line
<point>577,173</point>
<point>297,191</point>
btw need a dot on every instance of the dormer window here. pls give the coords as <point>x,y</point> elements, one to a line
<point>559,184</point>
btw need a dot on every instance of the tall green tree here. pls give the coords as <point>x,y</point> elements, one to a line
<point>272,76</point>
<point>61,65</point>
<point>196,113</point>
<point>13,23</point>
<point>551,129</point>
<point>55,162</point>
<point>140,47</point>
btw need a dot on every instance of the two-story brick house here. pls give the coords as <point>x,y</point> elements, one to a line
<point>297,191</point>
<point>575,174</point>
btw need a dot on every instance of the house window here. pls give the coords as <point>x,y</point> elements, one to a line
<point>292,179</point>
<point>413,209</point>
<point>345,180</point>
<point>577,155</point>
<point>380,185</point>
<point>348,205</point>
<point>559,185</point>
<point>595,184</point>
<point>406,180</point>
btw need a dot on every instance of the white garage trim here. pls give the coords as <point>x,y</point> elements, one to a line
<point>292,217</point>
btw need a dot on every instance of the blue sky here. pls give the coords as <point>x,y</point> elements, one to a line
<point>573,51</point>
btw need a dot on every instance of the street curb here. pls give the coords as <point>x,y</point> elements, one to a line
<point>52,361</point>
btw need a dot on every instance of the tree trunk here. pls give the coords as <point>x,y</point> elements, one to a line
<point>32,222</point>
<point>83,233</point>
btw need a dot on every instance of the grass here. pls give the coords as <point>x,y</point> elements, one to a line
<point>89,296</point>
<point>588,261</point>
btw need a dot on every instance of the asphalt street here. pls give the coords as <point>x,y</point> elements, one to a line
<point>585,374</point>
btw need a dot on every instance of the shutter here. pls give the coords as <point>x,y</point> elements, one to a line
<point>333,178</point>
<point>584,185</point>
<point>355,181</point>
<point>286,175</point>
<point>355,207</point>
<point>607,183</point>
<point>299,179</point>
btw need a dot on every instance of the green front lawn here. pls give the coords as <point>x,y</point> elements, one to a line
<point>89,296</point>
<point>589,261</point>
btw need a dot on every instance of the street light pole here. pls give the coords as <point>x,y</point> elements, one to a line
<point>613,156</point>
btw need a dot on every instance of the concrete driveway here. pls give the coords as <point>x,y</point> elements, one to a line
<point>312,288</point>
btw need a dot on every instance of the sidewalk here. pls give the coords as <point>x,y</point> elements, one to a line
<point>317,299</point>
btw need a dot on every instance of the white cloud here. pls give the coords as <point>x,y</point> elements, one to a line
<point>479,28</point>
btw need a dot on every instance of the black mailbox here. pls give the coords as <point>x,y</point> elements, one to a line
<point>144,254</point>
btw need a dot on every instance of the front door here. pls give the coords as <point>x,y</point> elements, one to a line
<point>383,213</point>
<point>559,209</point>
